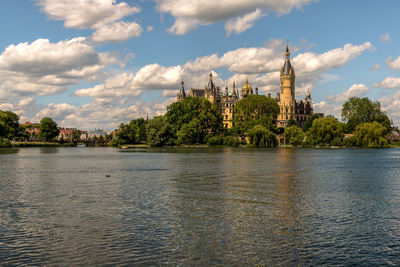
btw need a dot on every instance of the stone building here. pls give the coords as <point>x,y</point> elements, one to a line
<point>225,99</point>
<point>301,110</point>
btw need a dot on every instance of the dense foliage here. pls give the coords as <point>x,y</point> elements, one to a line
<point>48,129</point>
<point>262,137</point>
<point>192,119</point>
<point>255,110</point>
<point>324,131</point>
<point>371,135</point>
<point>159,132</point>
<point>361,110</point>
<point>9,127</point>
<point>294,135</point>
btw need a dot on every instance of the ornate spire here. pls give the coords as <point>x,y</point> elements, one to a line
<point>183,94</point>
<point>287,66</point>
<point>234,89</point>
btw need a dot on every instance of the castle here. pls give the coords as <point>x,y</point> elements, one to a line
<point>225,100</point>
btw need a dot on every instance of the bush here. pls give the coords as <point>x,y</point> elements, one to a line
<point>231,141</point>
<point>5,143</point>
<point>215,140</point>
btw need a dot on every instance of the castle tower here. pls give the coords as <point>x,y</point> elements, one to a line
<point>181,94</point>
<point>246,89</point>
<point>211,90</point>
<point>287,92</point>
<point>234,93</point>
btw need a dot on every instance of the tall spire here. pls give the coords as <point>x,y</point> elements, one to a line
<point>183,94</point>
<point>234,89</point>
<point>287,66</point>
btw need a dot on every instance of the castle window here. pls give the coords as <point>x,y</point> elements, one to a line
<point>230,111</point>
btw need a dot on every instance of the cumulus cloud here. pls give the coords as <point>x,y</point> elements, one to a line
<point>393,64</point>
<point>120,85</point>
<point>388,83</point>
<point>241,24</point>
<point>149,28</point>
<point>354,90</point>
<point>190,14</point>
<point>385,38</point>
<point>154,76</point>
<point>86,14</point>
<point>46,68</point>
<point>56,111</point>
<point>327,109</point>
<point>101,15</point>
<point>117,32</point>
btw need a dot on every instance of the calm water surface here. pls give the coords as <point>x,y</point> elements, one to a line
<point>199,207</point>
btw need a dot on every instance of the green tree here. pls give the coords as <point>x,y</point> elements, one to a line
<point>75,136</point>
<point>294,135</point>
<point>309,122</point>
<point>9,126</point>
<point>48,129</point>
<point>324,131</point>
<point>360,110</point>
<point>291,122</point>
<point>141,125</point>
<point>371,135</point>
<point>159,132</point>
<point>255,110</point>
<point>193,118</point>
<point>127,134</point>
<point>262,137</point>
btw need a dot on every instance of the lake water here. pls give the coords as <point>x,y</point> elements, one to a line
<point>199,207</point>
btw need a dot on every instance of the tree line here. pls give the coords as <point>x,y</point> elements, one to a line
<point>196,121</point>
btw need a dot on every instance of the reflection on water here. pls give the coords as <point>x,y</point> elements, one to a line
<point>228,206</point>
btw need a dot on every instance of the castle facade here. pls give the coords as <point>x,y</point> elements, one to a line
<point>225,100</point>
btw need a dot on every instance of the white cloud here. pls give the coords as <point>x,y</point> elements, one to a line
<point>388,83</point>
<point>154,76</point>
<point>117,32</point>
<point>190,14</point>
<point>120,85</point>
<point>375,67</point>
<point>86,14</point>
<point>241,24</point>
<point>55,111</point>
<point>393,64</point>
<point>101,15</point>
<point>354,90</point>
<point>327,109</point>
<point>385,38</point>
<point>149,28</point>
<point>311,62</point>
<point>46,68</point>
<point>26,102</point>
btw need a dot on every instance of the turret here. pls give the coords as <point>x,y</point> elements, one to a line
<point>181,94</point>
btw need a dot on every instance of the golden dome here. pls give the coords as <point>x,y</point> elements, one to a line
<point>247,89</point>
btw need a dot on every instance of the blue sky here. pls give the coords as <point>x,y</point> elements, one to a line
<point>98,63</point>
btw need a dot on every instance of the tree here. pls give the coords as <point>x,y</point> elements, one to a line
<point>291,122</point>
<point>141,125</point>
<point>360,110</point>
<point>127,134</point>
<point>371,135</point>
<point>294,135</point>
<point>159,132</point>
<point>9,126</point>
<point>196,113</point>
<point>324,131</point>
<point>48,129</point>
<point>255,110</point>
<point>75,136</point>
<point>309,122</point>
<point>262,137</point>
